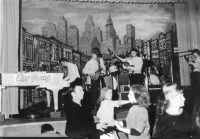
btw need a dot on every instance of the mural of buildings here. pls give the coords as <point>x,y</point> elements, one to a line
<point>110,30</point>
<point>49,30</point>
<point>73,37</point>
<point>62,29</point>
<point>91,37</point>
<point>160,51</point>
<point>129,39</point>
<point>42,53</point>
<point>67,51</point>
<point>146,49</point>
<point>27,50</point>
<point>56,52</point>
<point>139,45</point>
<point>121,48</point>
<point>110,41</point>
<point>155,56</point>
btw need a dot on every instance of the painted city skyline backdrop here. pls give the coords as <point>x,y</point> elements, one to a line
<point>149,20</point>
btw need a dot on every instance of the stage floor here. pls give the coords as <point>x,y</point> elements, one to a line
<point>23,127</point>
<point>29,127</point>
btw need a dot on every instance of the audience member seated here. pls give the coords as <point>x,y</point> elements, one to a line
<point>195,131</point>
<point>80,122</point>
<point>175,121</point>
<point>47,130</point>
<point>161,102</point>
<point>136,124</point>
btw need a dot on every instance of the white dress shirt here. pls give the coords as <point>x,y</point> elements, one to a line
<point>73,72</point>
<point>92,66</point>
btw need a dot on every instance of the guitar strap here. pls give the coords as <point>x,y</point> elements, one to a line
<point>102,82</point>
<point>99,65</point>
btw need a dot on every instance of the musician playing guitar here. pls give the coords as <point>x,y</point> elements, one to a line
<point>94,68</point>
<point>134,67</point>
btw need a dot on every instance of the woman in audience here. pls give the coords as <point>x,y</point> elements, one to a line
<point>106,112</point>
<point>175,121</point>
<point>80,122</point>
<point>136,124</point>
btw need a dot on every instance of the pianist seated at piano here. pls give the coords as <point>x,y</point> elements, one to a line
<point>73,76</point>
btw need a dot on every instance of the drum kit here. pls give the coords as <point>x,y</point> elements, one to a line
<point>115,69</point>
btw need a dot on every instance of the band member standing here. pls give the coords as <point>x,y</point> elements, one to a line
<point>134,68</point>
<point>93,69</point>
<point>195,75</point>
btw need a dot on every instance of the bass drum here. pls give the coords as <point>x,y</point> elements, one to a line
<point>152,80</point>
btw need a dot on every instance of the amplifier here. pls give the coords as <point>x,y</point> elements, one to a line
<point>124,95</point>
<point>124,88</point>
<point>154,92</point>
<point>124,79</point>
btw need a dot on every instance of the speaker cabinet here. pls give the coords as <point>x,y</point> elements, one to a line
<point>124,95</point>
<point>154,92</point>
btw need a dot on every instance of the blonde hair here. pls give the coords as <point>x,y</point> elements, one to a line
<point>103,93</point>
<point>168,88</point>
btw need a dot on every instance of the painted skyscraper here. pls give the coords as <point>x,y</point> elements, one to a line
<point>49,30</point>
<point>62,30</point>
<point>110,30</point>
<point>91,37</point>
<point>130,37</point>
<point>111,37</point>
<point>73,37</point>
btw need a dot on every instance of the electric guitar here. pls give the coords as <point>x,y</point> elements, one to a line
<point>96,75</point>
<point>126,63</point>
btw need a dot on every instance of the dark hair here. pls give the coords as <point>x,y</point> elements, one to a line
<point>70,90</point>
<point>97,52</point>
<point>141,95</point>
<point>196,51</point>
<point>46,127</point>
<point>63,59</point>
<point>135,50</point>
